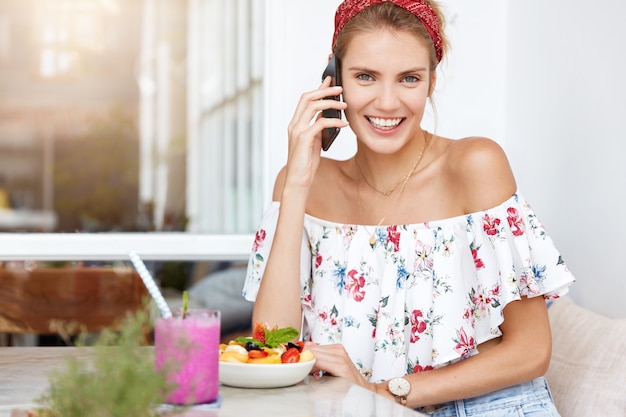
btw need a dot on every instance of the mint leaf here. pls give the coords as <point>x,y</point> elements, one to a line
<point>273,338</point>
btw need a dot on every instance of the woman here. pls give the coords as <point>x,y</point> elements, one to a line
<point>416,267</point>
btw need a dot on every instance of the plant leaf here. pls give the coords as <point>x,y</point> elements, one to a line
<point>185,303</point>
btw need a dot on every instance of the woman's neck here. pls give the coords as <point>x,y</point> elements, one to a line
<point>387,173</point>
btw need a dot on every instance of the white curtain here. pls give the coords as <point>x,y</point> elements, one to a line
<point>224,115</point>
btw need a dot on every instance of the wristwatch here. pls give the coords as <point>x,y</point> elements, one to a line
<point>400,388</point>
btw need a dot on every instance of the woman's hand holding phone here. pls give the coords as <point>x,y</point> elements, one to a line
<point>305,131</point>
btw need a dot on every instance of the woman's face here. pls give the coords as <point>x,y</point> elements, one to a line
<point>386,81</point>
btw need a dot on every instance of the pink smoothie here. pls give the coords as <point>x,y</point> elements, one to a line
<point>188,349</point>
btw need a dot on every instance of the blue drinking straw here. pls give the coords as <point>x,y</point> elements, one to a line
<point>150,284</point>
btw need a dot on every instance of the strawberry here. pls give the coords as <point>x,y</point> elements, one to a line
<point>258,333</point>
<point>253,354</point>
<point>291,355</point>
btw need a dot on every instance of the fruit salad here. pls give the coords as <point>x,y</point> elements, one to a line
<point>266,345</point>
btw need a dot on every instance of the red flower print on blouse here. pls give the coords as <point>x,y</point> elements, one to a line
<point>355,285</point>
<point>490,225</point>
<point>495,291</point>
<point>464,345</point>
<point>328,317</point>
<point>258,240</point>
<point>515,221</point>
<point>478,263</point>
<point>393,236</point>
<point>481,301</point>
<point>418,325</point>
<point>420,368</point>
<point>318,260</point>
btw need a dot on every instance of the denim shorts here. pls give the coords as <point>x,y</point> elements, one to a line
<point>531,398</point>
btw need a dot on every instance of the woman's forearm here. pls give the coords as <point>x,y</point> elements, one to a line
<point>278,300</point>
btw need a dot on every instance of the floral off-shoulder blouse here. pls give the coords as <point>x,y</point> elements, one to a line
<point>412,297</point>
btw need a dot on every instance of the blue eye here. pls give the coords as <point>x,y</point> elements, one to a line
<point>411,79</point>
<point>364,77</point>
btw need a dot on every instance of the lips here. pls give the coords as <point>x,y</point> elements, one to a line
<point>384,123</point>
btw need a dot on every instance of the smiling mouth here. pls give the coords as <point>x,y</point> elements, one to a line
<point>384,124</point>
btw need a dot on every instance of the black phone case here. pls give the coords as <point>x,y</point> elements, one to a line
<point>329,134</point>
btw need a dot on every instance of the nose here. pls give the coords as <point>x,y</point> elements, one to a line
<point>387,98</point>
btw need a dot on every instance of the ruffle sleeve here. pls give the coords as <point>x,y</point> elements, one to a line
<point>526,256</point>
<point>261,249</point>
<point>512,257</point>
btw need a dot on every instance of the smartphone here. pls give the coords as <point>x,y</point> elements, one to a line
<point>329,134</point>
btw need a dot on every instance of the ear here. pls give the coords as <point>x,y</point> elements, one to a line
<point>433,82</point>
<point>330,56</point>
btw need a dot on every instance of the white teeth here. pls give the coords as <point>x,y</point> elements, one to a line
<point>384,123</point>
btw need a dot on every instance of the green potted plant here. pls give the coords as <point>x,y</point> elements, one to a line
<point>119,380</point>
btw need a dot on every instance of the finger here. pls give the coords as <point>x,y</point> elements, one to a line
<point>310,135</point>
<point>311,101</point>
<point>339,106</point>
<point>309,345</point>
<point>321,123</point>
<point>300,131</point>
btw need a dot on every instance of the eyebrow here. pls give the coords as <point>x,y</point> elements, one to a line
<point>373,72</point>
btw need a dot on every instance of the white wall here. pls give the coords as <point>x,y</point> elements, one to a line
<point>566,120</point>
<point>541,78</point>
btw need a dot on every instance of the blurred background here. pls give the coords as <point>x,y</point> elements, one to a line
<point>131,115</point>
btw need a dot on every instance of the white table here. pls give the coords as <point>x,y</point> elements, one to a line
<point>24,375</point>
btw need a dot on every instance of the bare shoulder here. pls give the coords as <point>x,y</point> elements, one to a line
<point>330,168</point>
<point>475,152</point>
<point>279,184</point>
<point>332,192</point>
<point>481,170</point>
<point>328,177</point>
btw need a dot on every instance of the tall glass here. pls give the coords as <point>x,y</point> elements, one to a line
<point>187,349</point>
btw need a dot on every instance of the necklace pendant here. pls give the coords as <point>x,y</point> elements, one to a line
<point>388,193</point>
<point>372,240</point>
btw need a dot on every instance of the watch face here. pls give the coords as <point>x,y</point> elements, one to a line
<point>399,386</point>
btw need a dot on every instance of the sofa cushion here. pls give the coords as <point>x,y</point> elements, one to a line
<point>587,374</point>
<point>222,291</point>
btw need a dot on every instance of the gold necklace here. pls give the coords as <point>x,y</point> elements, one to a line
<point>404,179</point>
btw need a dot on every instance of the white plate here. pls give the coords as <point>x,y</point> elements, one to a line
<point>257,375</point>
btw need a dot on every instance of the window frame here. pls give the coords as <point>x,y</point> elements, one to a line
<point>116,246</point>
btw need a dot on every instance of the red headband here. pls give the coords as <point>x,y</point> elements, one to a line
<point>422,10</point>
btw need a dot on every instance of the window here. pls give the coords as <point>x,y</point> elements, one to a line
<point>123,119</point>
